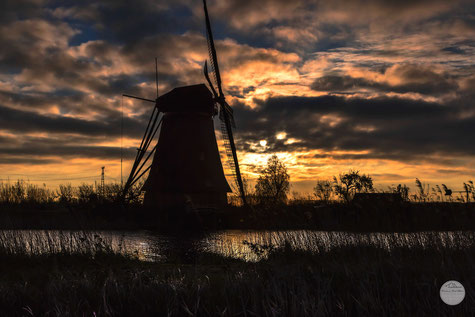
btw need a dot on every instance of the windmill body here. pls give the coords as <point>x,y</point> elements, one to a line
<point>186,167</point>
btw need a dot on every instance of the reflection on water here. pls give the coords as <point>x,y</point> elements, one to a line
<point>149,246</point>
<point>230,243</point>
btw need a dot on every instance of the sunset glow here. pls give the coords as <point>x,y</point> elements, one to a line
<point>386,88</point>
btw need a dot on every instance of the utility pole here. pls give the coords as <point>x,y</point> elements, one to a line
<point>102,181</point>
<point>121,137</point>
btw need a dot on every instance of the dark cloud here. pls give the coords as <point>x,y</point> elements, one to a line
<point>20,122</point>
<point>27,160</point>
<point>57,147</point>
<point>389,128</point>
<point>68,151</point>
<point>13,10</point>
<point>454,50</point>
<point>452,171</point>
<point>334,24</point>
<point>413,78</point>
<point>343,83</point>
<point>121,22</point>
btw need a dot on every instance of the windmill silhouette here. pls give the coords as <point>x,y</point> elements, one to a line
<point>186,166</point>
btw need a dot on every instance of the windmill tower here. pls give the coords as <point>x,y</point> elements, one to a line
<point>186,168</point>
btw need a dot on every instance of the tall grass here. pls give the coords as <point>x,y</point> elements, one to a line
<point>24,193</point>
<point>362,275</point>
<point>96,208</point>
<point>32,243</point>
<point>259,245</point>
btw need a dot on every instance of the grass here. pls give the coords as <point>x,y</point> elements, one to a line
<point>27,206</point>
<point>22,194</point>
<point>406,217</point>
<point>363,275</point>
<point>37,243</point>
<point>386,217</point>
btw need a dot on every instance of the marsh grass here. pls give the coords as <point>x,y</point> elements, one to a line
<point>259,245</point>
<point>23,193</point>
<point>28,206</point>
<point>56,243</point>
<point>300,274</point>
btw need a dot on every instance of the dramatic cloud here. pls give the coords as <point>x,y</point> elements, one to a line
<point>386,87</point>
<point>400,78</point>
<point>386,128</point>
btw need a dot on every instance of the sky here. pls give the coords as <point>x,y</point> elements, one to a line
<point>383,87</point>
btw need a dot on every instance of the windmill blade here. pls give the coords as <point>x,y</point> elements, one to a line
<point>226,113</point>
<point>212,51</point>
<point>214,63</point>
<point>150,132</point>
<point>229,112</point>
<point>139,98</point>
<point>232,156</point>
<point>223,106</point>
<point>205,71</point>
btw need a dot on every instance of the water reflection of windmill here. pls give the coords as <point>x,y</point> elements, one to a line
<point>186,166</point>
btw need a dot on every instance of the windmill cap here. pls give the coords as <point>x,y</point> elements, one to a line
<point>194,98</point>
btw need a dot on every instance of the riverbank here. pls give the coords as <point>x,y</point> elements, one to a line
<point>360,280</point>
<point>403,217</point>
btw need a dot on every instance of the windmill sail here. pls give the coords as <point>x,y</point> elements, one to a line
<point>226,113</point>
<point>152,128</point>
<point>137,168</point>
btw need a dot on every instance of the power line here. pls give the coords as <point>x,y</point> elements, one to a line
<point>54,179</point>
<point>45,176</point>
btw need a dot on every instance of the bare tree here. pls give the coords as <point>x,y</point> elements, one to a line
<point>273,184</point>
<point>323,190</point>
<point>346,185</point>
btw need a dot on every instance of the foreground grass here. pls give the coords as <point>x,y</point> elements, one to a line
<point>404,217</point>
<point>348,280</point>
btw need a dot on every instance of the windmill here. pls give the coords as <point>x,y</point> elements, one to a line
<point>186,166</point>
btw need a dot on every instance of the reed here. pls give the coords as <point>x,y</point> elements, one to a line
<point>22,192</point>
<point>52,243</point>
<point>365,275</point>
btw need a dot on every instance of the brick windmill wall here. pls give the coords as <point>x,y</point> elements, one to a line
<point>186,168</point>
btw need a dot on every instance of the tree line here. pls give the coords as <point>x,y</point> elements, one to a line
<point>273,186</point>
